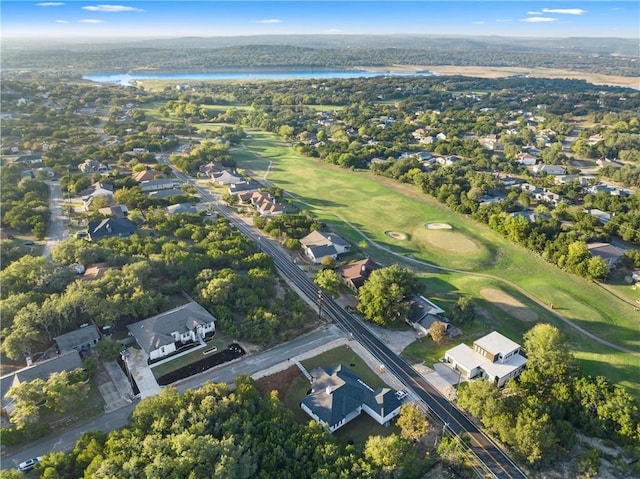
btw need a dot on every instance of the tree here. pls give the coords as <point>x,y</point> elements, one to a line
<point>412,422</point>
<point>534,436</point>
<point>28,397</point>
<point>464,311</point>
<point>438,332</point>
<point>393,456</point>
<point>328,262</point>
<point>329,280</point>
<point>383,298</point>
<point>62,393</point>
<point>109,349</point>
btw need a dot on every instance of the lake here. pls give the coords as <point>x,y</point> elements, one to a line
<point>128,79</point>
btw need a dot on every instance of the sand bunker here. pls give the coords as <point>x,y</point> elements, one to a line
<point>509,305</point>
<point>438,226</point>
<point>395,235</point>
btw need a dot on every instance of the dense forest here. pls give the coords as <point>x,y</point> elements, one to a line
<point>208,55</point>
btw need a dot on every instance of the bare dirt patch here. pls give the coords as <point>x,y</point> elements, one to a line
<point>509,305</point>
<point>279,382</point>
<point>396,235</point>
<point>438,226</point>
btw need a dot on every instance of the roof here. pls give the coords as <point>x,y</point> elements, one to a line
<point>146,175</point>
<point>605,250</point>
<point>322,251</point>
<point>166,193</point>
<point>150,185</point>
<point>155,332</point>
<point>503,369</point>
<point>64,362</point>
<point>338,391</point>
<point>421,307</point>
<point>243,186</point>
<point>319,238</point>
<point>358,271</point>
<point>119,211</point>
<point>111,227</point>
<point>181,208</point>
<point>79,337</point>
<point>95,271</point>
<point>496,343</point>
<point>466,357</point>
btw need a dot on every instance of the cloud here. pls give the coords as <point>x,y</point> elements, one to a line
<point>538,19</point>
<point>90,20</point>
<point>111,8</point>
<point>269,20</point>
<point>49,4</point>
<point>478,22</point>
<point>62,21</point>
<point>565,11</point>
<point>504,19</point>
<point>534,13</point>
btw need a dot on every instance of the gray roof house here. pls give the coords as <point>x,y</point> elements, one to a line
<point>79,339</point>
<point>338,395</point>
<point>110,227</point>
<point>317,245</point>
<point>64,362</point>
<point>424,314</point>
<point>165,333</point>
<point>181,208</point>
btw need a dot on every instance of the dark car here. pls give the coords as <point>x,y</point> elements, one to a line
<point>28,243</point>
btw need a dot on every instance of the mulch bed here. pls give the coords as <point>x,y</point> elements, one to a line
<point>279,382</point>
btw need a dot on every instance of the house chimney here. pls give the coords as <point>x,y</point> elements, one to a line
<point>363,268</point>
<point>329,390</point>
<point>29,361</point>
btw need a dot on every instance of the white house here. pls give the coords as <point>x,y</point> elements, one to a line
<point>165,333</point>
<point>338,396</point>
<point>526,159</point>
<point>494,357</point>
<point>156,185</point>
<point>550,169</point>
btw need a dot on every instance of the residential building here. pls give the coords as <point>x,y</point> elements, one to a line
<point>147,175</point>
<point>549,169</point>
<point>424,314</point>
<point>607,252</point>
<point>317,245</point>
<point>355,274</point>
<point>118,211</point>
<point>111,227</point>
<point>338,396</point>
<point>526,159</point>
<point>494,357</point>
<point>81,339</point>
<point>165,333</point>
<point>181,208</point>
<point>243,187</point>
<point>224,178</point>
<point>156,185</point>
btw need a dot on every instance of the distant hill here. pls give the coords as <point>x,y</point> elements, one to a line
<point>190,54</point>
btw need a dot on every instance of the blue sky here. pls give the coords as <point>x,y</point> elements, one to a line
<point>209,18</point>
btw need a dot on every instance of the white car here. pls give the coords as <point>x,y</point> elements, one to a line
<point>29,464</point>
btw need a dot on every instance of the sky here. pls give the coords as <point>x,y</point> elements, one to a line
<point>22,19</point>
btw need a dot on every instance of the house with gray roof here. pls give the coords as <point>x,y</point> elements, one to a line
<point>42,370</point>
<point>317,245</point>
<point>338,395</point>
<point>424,314</point>
<point>181,208</point>
<point>81,339</point>
<point>165,333</point>
<point>110,227</point>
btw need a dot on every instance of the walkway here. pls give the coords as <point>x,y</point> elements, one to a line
<point>141,373</point>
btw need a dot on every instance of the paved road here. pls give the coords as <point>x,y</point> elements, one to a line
<point>495,460</point>
<point>248,365</point>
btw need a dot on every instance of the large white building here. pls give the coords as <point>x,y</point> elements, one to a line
<point>493,357</point>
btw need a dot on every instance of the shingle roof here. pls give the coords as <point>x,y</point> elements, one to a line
<point>111,227</point>
<point>79,337</point>
<point>358,272</point>
<point>155,332</point>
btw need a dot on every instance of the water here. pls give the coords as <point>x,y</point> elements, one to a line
<point>128,79</point>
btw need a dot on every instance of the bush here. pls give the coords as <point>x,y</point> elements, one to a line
<point>588,462</point>
<point>21,435</point>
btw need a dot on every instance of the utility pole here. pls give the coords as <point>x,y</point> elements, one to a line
<point>319,303</point>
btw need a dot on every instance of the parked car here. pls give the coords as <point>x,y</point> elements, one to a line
<point>29,464</point>
<point>28,243</point>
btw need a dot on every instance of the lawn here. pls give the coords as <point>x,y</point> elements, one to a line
<point>348,200</point>
<point>360,428</point>
<point>217,341</point>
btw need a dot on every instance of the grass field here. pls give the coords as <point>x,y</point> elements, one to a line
<point>371,204</point>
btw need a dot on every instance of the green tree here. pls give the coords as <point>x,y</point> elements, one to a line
<point>534,436</point>
<point>412,422</point>
<point>383,298</point>
<point>329,281</point>
<point>464,311</point>
<point>62,393</point>
<point>588,462</point>
<point>393,456</point>
<point>109,349</point>
<point>28,397</point>
<point>438,332</point>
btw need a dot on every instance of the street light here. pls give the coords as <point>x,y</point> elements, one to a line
<point>320,303</point>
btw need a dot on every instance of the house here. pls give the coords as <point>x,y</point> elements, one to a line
<point>355,274</point>
<point>607,252</point>
<point>80,339</point>
<point>424,314</point>
<point>146,175</point>
<point>494,357</point>
<point>549,170</point>
<point>603,162</point>
<point>162,194</point>
<point>97,189</point>
<point>156,185</point>
<point>42,370</point>
<point>119,211</point>
<point>225,178</point>
<point>338,395</point>
<point>602,216</point>
<point>243,187</point>
<point>318,245</point>
<point>111,227</point>
<point>181,208</point>
<point>95,271</point>
<point>91,166</point>
<point>595,139</point>
<point>165,333</point>
<point>271,208</point>
<point>526,159</point>
<point>548,197</point>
